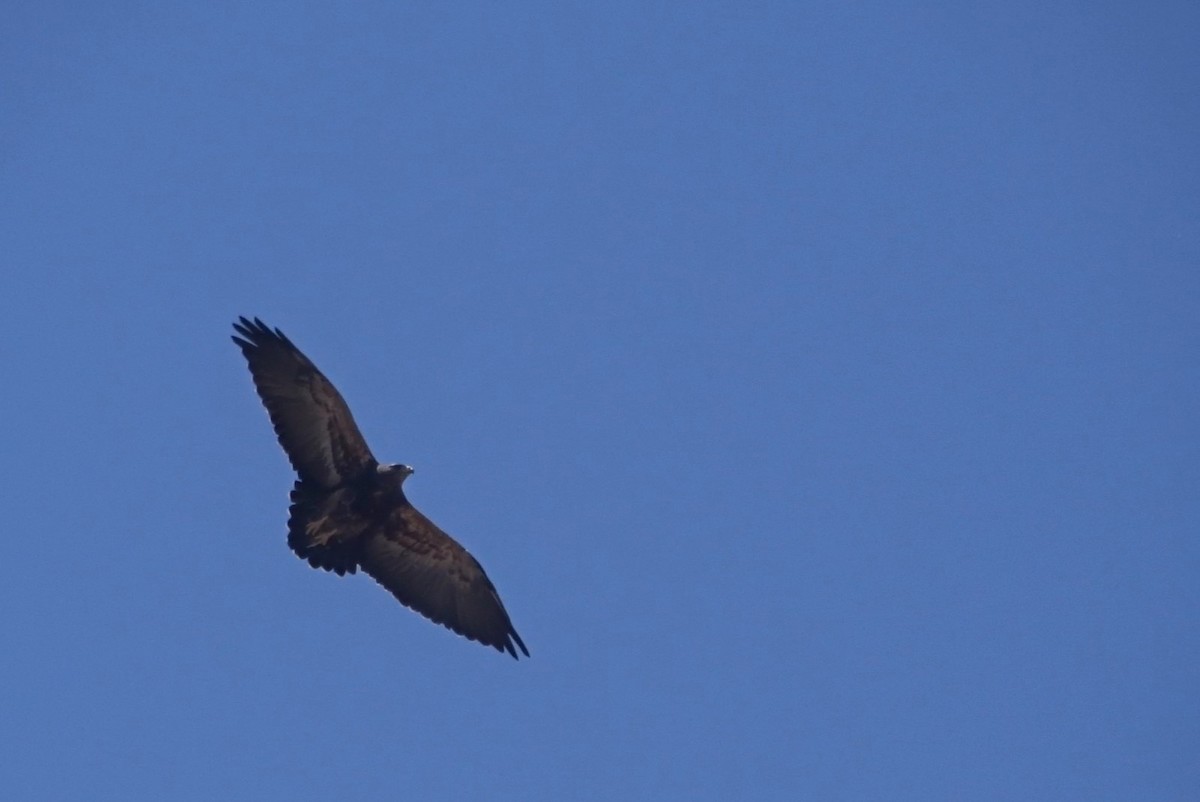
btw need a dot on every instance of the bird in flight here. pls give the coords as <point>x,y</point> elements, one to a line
<point>349,511</point>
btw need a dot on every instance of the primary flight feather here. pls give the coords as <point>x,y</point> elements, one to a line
<point>349,511</point>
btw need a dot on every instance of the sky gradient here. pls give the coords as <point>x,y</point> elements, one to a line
<point>816,382</point>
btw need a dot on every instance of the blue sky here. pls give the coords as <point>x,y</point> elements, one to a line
<point>817,383</point>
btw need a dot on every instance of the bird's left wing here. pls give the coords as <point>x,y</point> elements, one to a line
<point>313,423</point>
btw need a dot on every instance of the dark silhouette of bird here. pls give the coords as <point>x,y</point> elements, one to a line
<point>349,511</point>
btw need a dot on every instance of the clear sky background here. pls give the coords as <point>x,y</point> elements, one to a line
<point>817,382</point>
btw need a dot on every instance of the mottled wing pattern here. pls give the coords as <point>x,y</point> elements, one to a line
<point>429,572</point>
<point>313,423</point>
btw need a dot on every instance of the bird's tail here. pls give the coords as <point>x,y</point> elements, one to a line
<point>320,531</point>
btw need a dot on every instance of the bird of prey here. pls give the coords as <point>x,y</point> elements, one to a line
<point>349,511</point>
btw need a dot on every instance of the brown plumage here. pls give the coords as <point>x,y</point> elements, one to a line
<point>349,512</point>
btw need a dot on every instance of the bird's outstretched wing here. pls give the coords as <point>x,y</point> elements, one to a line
<point>428,571</point>
<point>312,421</point>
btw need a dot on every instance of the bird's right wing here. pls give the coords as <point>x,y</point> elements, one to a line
<point>429,572</point>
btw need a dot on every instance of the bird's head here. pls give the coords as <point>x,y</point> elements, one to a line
<point>396,471</point>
